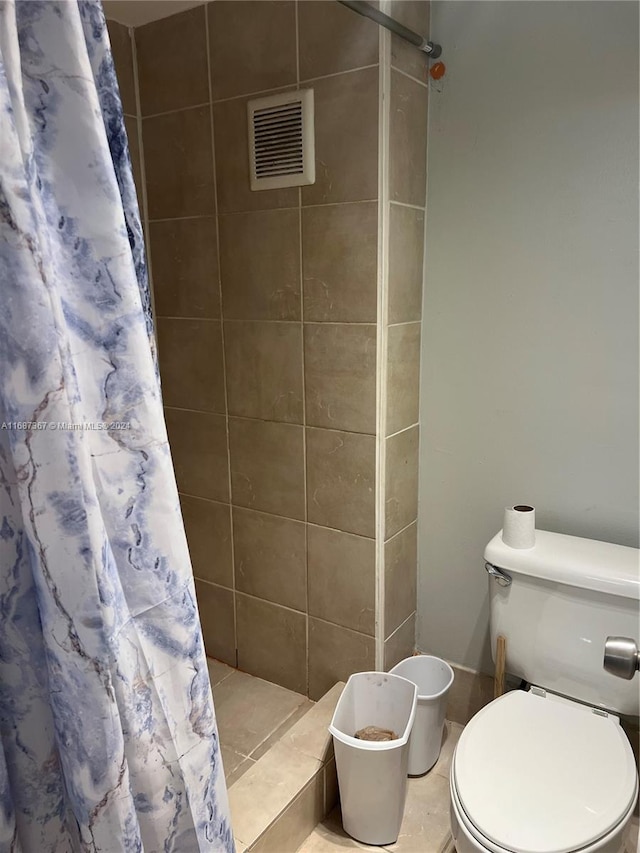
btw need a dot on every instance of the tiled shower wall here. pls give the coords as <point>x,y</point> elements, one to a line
<point>288,325</point>
<point>405,75</point>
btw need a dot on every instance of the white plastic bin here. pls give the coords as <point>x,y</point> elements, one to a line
<point>372,775</point>
<point>433,678</point>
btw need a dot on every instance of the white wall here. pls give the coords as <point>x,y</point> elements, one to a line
<point>530,343</point>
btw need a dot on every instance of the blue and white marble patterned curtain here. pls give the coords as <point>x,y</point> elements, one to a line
<point>108,738</point>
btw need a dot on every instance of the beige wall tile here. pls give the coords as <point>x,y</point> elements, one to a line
<point>340,376</point>
<point>131,126</point>
<point>208,527</point>
<point>172,62</point>
<point>270,557</point>
<point>401,498</point>
<point>178,164</point>
<point>400,578</point>
<point>297,821</point>
<point>260,265</point>
<point>191,364</point>
<point>401,644</point>
<point>184,255</point>
<point>267,466</point>
<point>341,480</point>
<point>334,654</point>
<point>122,52</point>
<point>407,141</point>
<point>264,370</point>
<point>340,261</point>
<point>342,578</point>
<point>403,377</point>
<point>272,642</point>
<point>415,15</point>
<point>232,163</point>
<point>198,443</point>
<point>346,126</point>
<point>252,46</point>
<point>333,39</point>
<point>406,251</point>
<point>216,617</point>
<point>469,692</point>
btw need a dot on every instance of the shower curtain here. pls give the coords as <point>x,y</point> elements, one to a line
<point>108,738</point>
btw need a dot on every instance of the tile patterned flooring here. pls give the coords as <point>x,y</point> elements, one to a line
<point>252,714</point>
<point>425,828</point>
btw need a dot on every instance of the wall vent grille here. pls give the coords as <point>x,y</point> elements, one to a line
<point>281,140</point>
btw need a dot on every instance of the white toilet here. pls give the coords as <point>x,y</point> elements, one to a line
<point>549,769</point>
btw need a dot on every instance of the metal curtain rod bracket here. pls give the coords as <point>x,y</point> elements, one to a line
<point>432,50</point>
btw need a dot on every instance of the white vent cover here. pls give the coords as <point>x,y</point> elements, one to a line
<point>281,140</point>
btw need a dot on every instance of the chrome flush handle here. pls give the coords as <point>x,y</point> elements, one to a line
<point>499,575</point>
<point>621,657</point>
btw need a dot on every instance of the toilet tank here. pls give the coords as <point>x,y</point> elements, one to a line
<point>566,596</point>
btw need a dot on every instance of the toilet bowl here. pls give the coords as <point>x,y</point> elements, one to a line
<point>538,773</point>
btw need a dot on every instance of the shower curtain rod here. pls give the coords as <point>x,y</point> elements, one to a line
<point>362,8</point>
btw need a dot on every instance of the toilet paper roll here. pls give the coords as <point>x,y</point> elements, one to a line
<point>519,528</point>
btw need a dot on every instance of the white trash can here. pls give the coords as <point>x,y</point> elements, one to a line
<point>372,775</point>
<point>433,678</point>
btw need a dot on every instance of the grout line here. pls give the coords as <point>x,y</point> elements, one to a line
<point>177,109</point>
<point>182,218</point>
<point>339,73</point>
<point>405,323</point>
<point>410,77</point>
<point>402,530</point>
<point>395,203</point>
<point>294,84</point>
<point>281,322</point>
<point>339,203</point>
<point>384,90</point>
<point>297,30</point>
<point>284,517</point>
<point>208,500</point>
<point>195,411</point>
<point>143,180</point>
<point>269,421</point>
<point>404,429</point>
<point>289,610</point>
<point>402,624</point>
<point>421,366</point>
<point>272,210</point>
<point>269,601</point>
<point>304,384</point>
<point>221,307</point>
<point>190,319</point>
<point>257,94</point>
<point>262,210</point>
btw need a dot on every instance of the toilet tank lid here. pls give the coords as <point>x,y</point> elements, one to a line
<point>571,560</point>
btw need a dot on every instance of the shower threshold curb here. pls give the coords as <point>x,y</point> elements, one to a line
<point>278,802</point>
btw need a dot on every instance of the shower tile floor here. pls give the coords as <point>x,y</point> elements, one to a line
<point>252,714</point>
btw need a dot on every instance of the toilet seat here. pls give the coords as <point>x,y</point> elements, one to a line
<point>538,773</point>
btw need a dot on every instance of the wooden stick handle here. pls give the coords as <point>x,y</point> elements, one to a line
<point>501,656</point>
